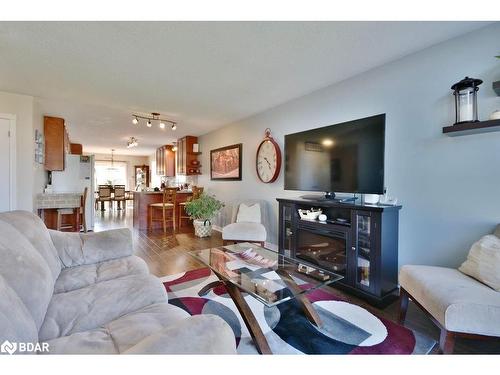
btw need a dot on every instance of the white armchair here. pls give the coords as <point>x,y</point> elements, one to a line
<point>248,226</point>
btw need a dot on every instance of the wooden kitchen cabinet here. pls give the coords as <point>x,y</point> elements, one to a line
<point>56,143</point>
<point>187,160</point>
<point>165,161</point>
<point>76,149</point>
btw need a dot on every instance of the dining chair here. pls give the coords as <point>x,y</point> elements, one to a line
<point>104,195</point>
<point>119,196</point>
<point>197,191</point>
<point>169,196</point>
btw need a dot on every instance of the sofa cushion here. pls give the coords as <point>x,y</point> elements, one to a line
<point>483,261</point>
<point>81,276</point>
<point>25,271</point>
<point>120,334</point>
<point>76,249</point>
<point>458,302</point>
<point>93,306</point>
<point>34,230</point>
<point>16,322</point>
<point>207,334</point>
<point>244,231</point>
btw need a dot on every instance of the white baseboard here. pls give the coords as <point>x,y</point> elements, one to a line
<point>269,245</point>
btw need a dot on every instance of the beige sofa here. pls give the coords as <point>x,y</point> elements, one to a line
<point>458,304</point>
<point>88,294</point>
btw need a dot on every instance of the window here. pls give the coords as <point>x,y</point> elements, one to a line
<point>107,174</point>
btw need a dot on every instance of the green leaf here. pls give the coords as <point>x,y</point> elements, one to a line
<point>205,207</point>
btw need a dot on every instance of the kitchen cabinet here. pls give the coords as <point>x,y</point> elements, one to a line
<point>56,143</point>
<point>76,149</point>
<point>187,159</point>
<point>165,161</point>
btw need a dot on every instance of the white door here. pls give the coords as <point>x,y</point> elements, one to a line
<point>6,163</point>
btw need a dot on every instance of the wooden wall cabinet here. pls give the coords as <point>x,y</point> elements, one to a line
<point>165,161</point>
<point>76,149</point>
<point>56,143</point>
<point>187,160</point>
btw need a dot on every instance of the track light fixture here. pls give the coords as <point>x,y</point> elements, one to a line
<point>154,117</point>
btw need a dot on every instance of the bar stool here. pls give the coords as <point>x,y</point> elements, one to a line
<point>68,211</point>
<point>197,191</point>
<point>83,220</point>
<point>168,203</point>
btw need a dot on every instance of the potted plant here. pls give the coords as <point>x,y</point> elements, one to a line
<point>201,211</point>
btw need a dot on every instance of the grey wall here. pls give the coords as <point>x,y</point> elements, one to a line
<point>449,187</point>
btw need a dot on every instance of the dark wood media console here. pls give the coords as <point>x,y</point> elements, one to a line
<point>359,241</point>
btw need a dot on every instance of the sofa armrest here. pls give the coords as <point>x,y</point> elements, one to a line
<point>199,334</point>
<point>76,249</point>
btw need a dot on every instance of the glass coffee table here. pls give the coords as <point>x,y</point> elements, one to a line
<point>266,275</point>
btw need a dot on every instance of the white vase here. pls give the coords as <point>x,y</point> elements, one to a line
<point>202,228</point>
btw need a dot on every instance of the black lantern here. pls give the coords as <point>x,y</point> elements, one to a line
<point>465,93</point>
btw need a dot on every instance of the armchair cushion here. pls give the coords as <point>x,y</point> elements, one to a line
<point>458,302</point>
<point>76,249</point>
<point>249,214</point>
<point>244,232</point>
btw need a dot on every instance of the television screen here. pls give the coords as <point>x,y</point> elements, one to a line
<point>347,157</point>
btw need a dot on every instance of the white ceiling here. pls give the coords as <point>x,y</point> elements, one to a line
<point>202,74</point>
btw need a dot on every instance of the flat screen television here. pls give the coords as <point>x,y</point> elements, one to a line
<point>346,157</point>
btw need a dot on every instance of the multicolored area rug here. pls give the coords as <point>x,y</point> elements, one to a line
<point>347,328</point>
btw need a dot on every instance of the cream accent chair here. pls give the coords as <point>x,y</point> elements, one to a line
<point>458,304</point>
<point>247,231</point>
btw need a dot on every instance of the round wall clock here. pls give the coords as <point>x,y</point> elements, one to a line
<point>268,160</point>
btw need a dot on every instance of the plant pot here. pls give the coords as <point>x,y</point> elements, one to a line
<point>202,228</point>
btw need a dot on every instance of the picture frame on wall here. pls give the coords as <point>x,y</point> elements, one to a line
<point>225,163</point>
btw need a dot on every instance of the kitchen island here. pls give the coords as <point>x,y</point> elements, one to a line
<point>142,200</point>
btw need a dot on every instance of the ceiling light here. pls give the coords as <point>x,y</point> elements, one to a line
<point>175,146</point>
<point>327,142</point>
<point>155,116</point>
<point>132,142</point>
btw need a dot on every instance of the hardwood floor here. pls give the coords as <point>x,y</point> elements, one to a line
<point>167,255</point>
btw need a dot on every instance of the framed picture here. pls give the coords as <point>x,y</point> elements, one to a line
<point>225,163</point>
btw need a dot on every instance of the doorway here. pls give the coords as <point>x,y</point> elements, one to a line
<point>7,162</point>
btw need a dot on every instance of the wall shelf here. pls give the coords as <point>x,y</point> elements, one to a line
<point>469,128</point>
